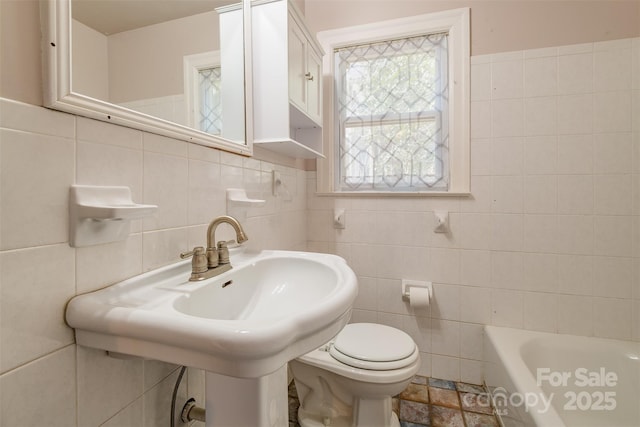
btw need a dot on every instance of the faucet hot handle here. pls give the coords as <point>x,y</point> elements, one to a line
<point>199,260</point>
<point>196,250</point>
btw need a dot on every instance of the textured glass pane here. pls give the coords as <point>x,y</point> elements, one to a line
<point>371,160</point>
<point>210,104</point>
<point>392,115</point>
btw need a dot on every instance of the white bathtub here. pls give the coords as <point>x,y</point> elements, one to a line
<point>548,380</point>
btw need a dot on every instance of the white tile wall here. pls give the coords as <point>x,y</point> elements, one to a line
<point>44,377</point>
<point>549,239</point>
<point>42,391</point>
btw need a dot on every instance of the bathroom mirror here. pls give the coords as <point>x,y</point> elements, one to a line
<point>172,67</point>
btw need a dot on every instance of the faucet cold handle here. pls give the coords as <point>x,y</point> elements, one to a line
<point>199,260</point>
<point>223,251</point>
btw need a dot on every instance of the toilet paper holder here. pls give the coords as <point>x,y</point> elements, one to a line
<point>408,284</point>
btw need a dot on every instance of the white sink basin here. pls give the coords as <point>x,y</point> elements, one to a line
<point>272,307</point>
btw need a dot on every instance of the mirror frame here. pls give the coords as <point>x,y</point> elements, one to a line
<point>55,17</point>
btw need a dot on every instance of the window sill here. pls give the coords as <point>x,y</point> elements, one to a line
<point>408,194</point>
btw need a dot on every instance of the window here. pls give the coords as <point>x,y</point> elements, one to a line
<point>400,107</point>
<point>202,79</point>
<point>210,105</point>
<point>392,105</point>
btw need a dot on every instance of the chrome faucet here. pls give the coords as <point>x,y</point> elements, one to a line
<point>215,260</point>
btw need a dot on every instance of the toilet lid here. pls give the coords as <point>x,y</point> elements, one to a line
<point>373,346</point>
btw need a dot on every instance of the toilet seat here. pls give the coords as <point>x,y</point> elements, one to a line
<point>373,347</point>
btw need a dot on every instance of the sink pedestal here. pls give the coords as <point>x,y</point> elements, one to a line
<point>242,402</point>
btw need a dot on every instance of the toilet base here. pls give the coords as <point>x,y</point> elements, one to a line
<point>333,393</point>
<point>309,420</point>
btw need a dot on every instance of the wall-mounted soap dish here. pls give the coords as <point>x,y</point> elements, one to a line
<point>238,203</point>
<point>238,197</point>
<point>102,214</point>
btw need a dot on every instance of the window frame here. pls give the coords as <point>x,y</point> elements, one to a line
<point>456,23</point>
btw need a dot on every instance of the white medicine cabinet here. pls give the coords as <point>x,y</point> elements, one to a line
<point>305,72</point>
<point>287,81</point>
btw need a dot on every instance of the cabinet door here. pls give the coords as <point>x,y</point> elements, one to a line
<point>297,69</point>
<point>313,78</point>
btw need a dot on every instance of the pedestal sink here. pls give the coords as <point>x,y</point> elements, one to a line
<point>242,326</point>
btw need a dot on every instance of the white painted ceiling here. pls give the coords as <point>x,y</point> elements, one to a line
<point>114,16</point>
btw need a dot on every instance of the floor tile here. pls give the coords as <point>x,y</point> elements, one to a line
<point>446,417</point>
<point>445,409</point>
<point>444,397</point>
<point>408,424</point>
<point>479,420</point>
<point>436,382</point>
<point>476,402</point>
<point>414,412</point>
<point>470,388</point>
<point>416,392</point>
<point>418,379</point>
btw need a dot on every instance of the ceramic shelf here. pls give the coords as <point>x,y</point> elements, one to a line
<point>102,214</point>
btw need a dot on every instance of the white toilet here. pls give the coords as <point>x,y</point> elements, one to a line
<point>350,381</point>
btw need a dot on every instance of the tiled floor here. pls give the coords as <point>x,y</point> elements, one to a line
<point>431,402</point>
